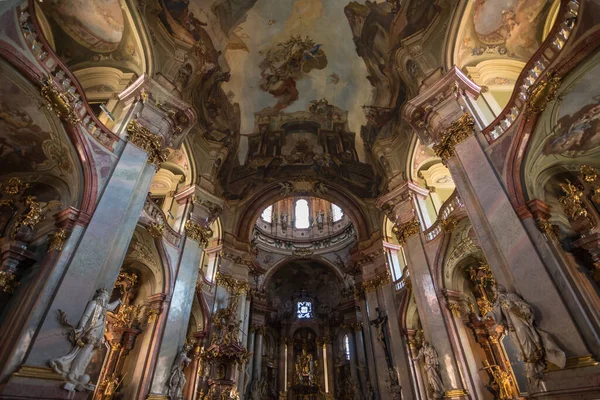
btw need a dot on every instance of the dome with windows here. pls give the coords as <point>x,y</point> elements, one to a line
<point>303,223</point>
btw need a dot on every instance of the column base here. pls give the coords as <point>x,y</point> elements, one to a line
<point>38,383</point>
<point>566,384</point>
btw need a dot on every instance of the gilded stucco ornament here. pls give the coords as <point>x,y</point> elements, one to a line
<point>149,142</point>
<point>549,229</point>
<point>156,229</point>
<point>406,230</point>
<point>542,94</point>
<point>197,232</point>
<point>32,215</point>
<point>588,173</point>
<point>458,131</point>
<point>14,186</point>
<point>378,281</point>
<point>572,201</point>
<point>56,240</point>
<point>58,102</point>
<point>502,381</point>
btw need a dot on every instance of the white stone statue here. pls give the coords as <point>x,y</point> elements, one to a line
<point>86,338</point>
<point>536,346</point>
<point>431,362</point>
<point>177,378</point>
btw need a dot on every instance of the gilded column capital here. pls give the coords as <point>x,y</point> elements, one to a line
<point>234,286</point>
<point>406,230</point>
<point>378,281</point>
<point>151,143</point>
<point>197,232</point>
<point>458,131</point>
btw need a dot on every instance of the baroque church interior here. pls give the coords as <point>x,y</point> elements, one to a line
<point>299,199</point>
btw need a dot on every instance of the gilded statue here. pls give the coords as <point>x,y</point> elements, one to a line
<point>86,338</point>
<point>502,382</point>
<point>177,378</point>
<point>431,362</point>
<point>305,368</point>
<point>535,346</point>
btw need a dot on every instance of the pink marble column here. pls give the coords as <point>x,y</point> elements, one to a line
<point>440,116</point>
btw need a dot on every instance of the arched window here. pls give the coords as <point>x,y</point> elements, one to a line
<point>302,220</point>
<point>338,214</point>
<point>347,347</point>
<point>267,214</point>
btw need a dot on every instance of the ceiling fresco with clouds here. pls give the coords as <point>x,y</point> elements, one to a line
<point>289,52</point>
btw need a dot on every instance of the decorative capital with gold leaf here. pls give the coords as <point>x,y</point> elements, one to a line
<point>458,131</point>
<point>151,143</point>
<point>406,230</point>
<point>197,232</point>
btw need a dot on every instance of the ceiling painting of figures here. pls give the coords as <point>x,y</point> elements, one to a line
<point>511,29</point>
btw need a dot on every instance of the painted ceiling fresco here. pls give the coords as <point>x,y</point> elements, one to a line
<point>288,53</point>
<point>502,28</point>
<point>577,131</point>
<point>82,39</point>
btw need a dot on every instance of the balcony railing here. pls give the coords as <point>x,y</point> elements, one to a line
<point>51,64</point>
<point>452,204</point>
<point>534,69</point>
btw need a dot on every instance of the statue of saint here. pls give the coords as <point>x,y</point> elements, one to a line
<point>305,368</point>
<point>86,338</point>
<point>431,363</point>
<point>177,378</point>
<point>536,346</point>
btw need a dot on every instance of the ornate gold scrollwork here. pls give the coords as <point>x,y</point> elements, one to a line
<point>147,141</point>
<point>458,131</point>
<point>156,229</point>
<point>542,94</point>
<point>572,201</point>
<point>56,240</point>
<point>406,230</point>
<point>588,173</point>
<point>32,215</point>
<point>502,381</point>
<point>197,232</point>
<point>373,284</point>
<point>547,228</point>
<point>58,102</point>
<point>234,286</point>
<point>14,186</point>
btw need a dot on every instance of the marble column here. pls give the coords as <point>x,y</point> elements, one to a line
<point>361,360</point>
<point>509,249</point>
<point>430,312</point>
<point>178,314</point>
<point>250,366</point>
<point>92,262</point>
<point>379,356</point>
<point>258,352</point>
<point>400,356</point>
<point>330,366</point>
